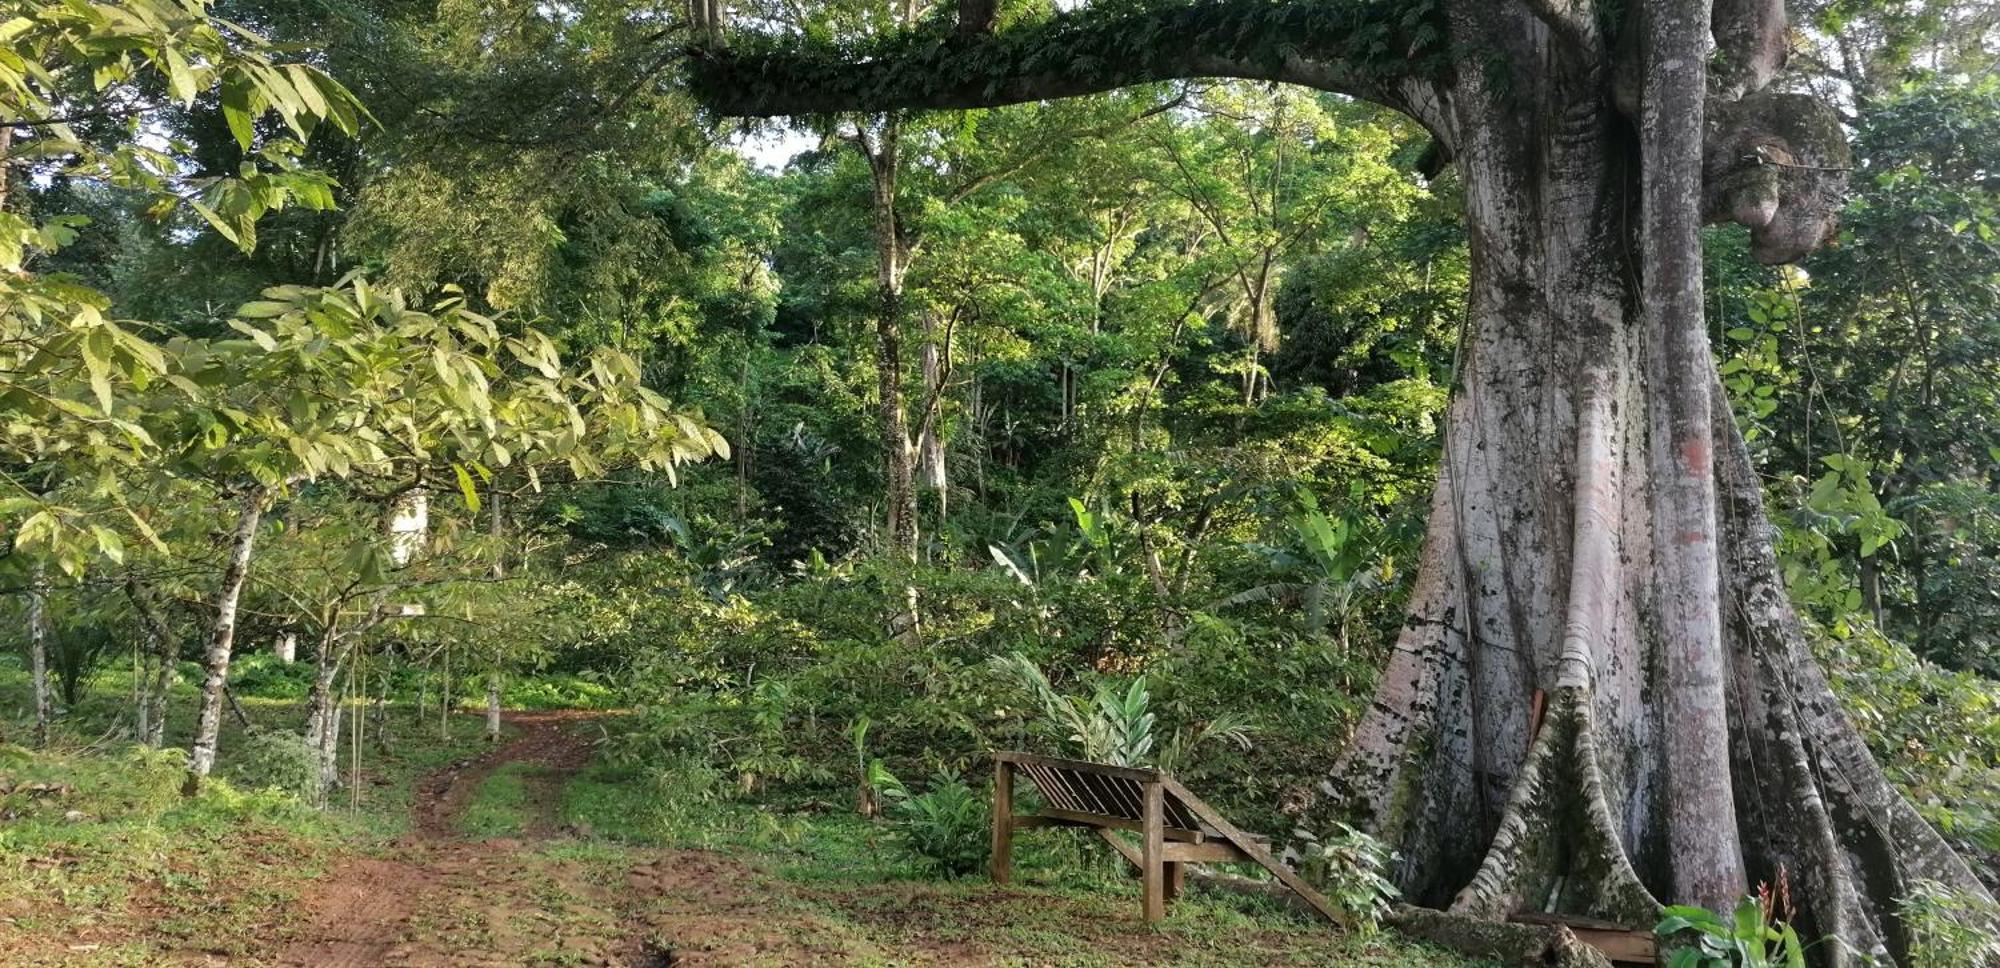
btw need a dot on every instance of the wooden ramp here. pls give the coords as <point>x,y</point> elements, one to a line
<point>1174,827</point>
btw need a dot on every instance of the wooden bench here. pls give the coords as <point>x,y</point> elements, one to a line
<point>1174,826</point>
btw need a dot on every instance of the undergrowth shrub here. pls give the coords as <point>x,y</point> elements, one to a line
<point>277,760</point>
<point>1936,734</point>
<point>139,786</point>
<point>1348,866</point>
<point>560,692</point>
<point>1754,935</point>
<point>1950,929</point>
<point>261,674</point>
<point>944,829</point>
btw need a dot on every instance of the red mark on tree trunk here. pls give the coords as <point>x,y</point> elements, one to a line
<point>1694,455</point>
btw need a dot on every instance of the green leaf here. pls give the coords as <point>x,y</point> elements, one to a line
<point>466,487</point>
<point>308,89</point>
<point>265,340</point>
<point>1795,953</point>
<point>108,543</point>
<point>263,309</point>
<point>146,531</point>
<point>236,111</point>
<point>180,78</point>
<point>1749,921</point>
<point>97,360</point>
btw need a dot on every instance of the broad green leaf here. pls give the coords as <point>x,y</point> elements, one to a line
<point>263,339</point>
<point>97,359</point>
<point>236,110</point>
<point>466,487</point>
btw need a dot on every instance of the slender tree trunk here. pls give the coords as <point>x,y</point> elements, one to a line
<point>447,700</point>
<point>423,694</point>
<point>1871,590</point>
<point>236,709</point>
<point>981,421</point>
<point>1250,365</point>
<point>497,527</point>
<point>142,667</point>
<point>900,493</point>
<point>323,718</point>
<point>163,679</point>
<point>378,717</point>
<point>222,639</point>
<point>930,443</point>
<point>38,656</point>
<point>493,707</point>
<point>6,165</point>
<point>745,450</point>
<point>160,658</point>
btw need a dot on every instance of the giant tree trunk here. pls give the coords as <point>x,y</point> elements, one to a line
<point>222,639</point>
<point>1602,699</point>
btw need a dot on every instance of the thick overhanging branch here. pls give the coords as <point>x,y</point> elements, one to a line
<point>1776,164</point>
<point>1363,48</point>
<point>1751,43</point>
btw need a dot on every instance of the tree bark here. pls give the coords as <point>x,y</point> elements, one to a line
<point>493,707</point>
<point>1597,538</point>
<point>160,653</point>
<point>936,476</point>
<point>38,656</point>
<point>898,466</point>
<point>497,527</point>
<point>323,720</point>
<point>222,639</point>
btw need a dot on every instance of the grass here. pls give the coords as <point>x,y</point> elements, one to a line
<point>499,806</point>
<point>117,868</point>
<point>103,862</point>
<point>843,883</point>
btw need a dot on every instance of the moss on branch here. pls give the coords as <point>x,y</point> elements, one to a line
<point>1358,47</point>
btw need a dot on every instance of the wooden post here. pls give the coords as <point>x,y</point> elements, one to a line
<point>1152,870</point>
<point>1176,879</point>
<point>1003,822</point>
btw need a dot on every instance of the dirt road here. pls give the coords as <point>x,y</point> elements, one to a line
<point>438,898</point>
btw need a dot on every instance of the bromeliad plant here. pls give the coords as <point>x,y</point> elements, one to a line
<point>1758,934</point>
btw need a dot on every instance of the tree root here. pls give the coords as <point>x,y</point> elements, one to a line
<point>1550,945</point>
<point>1557,849</point>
